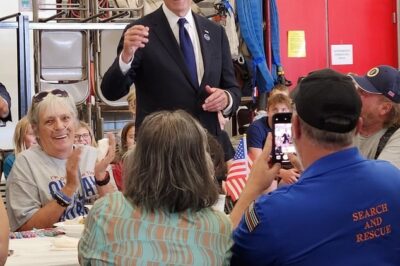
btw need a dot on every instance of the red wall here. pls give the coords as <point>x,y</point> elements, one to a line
<point>366,24</point>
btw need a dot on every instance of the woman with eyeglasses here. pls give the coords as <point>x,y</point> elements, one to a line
<point>84,135</point>
<point>52,181</point>
<point>165,215</point>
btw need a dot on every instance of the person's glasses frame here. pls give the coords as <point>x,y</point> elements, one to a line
<point>84,136</point>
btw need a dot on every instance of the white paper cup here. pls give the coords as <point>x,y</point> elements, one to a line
<point>220,204</point>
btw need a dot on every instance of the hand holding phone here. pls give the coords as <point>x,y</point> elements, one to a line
<point>282,138</point>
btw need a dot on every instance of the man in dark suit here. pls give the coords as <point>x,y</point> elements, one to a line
<point>5,104</point>
<point>150,55</point>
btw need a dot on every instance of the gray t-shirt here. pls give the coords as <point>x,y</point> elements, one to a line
<point>35,176</point>
<point>391,151</point>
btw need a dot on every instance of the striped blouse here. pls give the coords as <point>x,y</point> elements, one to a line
<point>117,233</point>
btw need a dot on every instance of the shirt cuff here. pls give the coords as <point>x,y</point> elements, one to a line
<point>228,109</point>
<point>124,67</point>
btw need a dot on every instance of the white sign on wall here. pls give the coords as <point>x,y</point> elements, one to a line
<point>342,54</point>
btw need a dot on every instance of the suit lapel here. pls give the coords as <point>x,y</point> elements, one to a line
<point>205,46</point>
<point>163,31</point>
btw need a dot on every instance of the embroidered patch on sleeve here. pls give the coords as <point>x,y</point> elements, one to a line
<point>251,218</point>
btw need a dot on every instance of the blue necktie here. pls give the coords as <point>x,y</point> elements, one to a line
<point>187,50</point>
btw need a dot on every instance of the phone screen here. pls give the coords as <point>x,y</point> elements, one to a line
<point>283,143</point>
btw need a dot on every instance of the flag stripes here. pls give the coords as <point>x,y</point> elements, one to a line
<point>238,171</point>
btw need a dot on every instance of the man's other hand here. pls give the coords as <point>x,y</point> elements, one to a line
<point>217,100</point>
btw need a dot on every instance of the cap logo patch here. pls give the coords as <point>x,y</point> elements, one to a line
<point>391,94</point>
<point>373,72</point>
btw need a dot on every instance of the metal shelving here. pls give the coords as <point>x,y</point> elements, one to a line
<point>23,26</point>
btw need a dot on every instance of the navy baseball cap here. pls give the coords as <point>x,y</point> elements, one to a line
<point>328,100</point>
<point>384,80</point>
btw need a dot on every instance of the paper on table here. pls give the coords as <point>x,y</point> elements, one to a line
<point>72,228</point>
<point>63,242</point>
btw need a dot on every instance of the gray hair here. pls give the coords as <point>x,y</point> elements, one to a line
<point>326,139</point>
<point>51,102</point>
<point>393,116</point>
<point>170,168</point>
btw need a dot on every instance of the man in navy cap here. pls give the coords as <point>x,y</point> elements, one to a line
<point>344,210</point>
<point>5,104</point>
<point>380,95</point>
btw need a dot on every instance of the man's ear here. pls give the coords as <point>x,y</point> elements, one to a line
<point>359,125</point>
<point>385,108</point>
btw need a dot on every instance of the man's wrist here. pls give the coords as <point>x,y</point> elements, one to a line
<point>124,67</point>
<point>62,199</point>
<point>253,193</point>
<point>229,99</point>
<point>68,190</point>
<point>228,108</point>
<point>126,58</point>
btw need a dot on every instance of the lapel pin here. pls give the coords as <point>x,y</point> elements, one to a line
<point>206,36</point>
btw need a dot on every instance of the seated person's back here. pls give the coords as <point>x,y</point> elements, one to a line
<point>165,214</point>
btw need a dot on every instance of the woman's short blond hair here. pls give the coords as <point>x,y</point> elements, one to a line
<point>21,129</point>
<point>279,98</point>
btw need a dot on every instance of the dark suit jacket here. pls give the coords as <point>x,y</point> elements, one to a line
<point>161,77</point>
<point>4,94</point>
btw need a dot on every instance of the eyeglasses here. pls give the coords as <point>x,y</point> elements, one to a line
<point>83,136</point>
<point>38,97</point>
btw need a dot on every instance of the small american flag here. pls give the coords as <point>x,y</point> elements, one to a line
<point>238,171</point>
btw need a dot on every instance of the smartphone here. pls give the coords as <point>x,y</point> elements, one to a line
<point>282,138</point>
